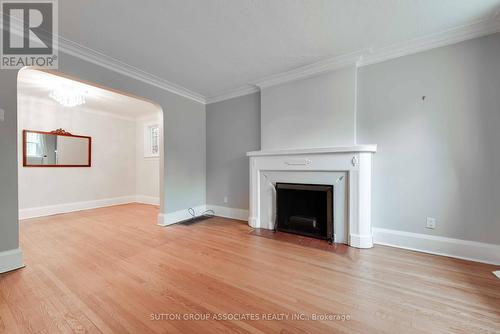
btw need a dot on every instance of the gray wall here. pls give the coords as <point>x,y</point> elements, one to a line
<point>184,132</point>
<point>9,228</point>
<point>438,157</point>
<point>313,112</point>
<point>184,140</point>
<point>233,128</point>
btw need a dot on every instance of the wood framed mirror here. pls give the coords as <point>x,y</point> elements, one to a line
<point>57,148</point>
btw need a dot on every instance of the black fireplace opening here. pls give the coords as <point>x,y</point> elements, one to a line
<point>305,209</point>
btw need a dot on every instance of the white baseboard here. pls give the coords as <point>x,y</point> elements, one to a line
<point>222,211</point>
<point>253,222</point>
<point>11,260</point>
<point>148,200</point>
<point>165,219</point>
<point>71,207</point>
<point>360,241</point>
<point>462,249</point>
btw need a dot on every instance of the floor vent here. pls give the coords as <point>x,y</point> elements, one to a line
<point>195,220</point>
<point>207,214</point>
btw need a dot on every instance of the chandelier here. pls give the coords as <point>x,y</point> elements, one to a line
<point>68,96</point>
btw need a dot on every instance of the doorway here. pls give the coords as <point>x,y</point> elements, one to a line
<point>120,152</point>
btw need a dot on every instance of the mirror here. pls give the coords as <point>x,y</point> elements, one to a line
<point>55,149</point>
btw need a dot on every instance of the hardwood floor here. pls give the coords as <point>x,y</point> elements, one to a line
<point>112,270</point>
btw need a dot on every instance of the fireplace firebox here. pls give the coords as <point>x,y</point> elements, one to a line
<point>305,209</point>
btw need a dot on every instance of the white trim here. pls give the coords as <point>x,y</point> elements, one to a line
<point>363,57</point>
<point>11,260</point>
<point>148,200</point>
<point>355,117</point>
<point>166,219</point>
<point>432,41</point>
<point>148,148</point>
<point>462,249</point>
<point>161,219</point>
<point>316,167</point>
<point>75,49</point>
<point>375,55</point>
<point>322,150</point>
<point>483,27</point>
<point>222,211</point>
<point>360,241</point>
<point>310,70</point>
<point>72,48</point>
<point>75,206</point>
<point>241,91</point>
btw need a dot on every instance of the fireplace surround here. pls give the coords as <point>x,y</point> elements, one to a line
<point>350,166</point>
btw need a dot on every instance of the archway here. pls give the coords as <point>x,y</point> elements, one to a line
<point>104,103</point>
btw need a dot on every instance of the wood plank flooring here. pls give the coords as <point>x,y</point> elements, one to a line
<point>112,270</point>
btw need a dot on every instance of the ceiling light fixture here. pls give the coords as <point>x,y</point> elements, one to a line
<point>69,96</point>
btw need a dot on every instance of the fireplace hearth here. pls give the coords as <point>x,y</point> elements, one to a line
<point>305,209</point>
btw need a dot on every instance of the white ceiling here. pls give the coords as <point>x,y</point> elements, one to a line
<point>38,84</point>
<point>214,46</point>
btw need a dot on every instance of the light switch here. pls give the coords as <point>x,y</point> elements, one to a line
<point>2,115</point>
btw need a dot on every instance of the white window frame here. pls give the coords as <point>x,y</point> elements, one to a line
<point>38,144</point>
<point>148,140</point>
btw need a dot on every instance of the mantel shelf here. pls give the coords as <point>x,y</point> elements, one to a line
<point>323,150</point>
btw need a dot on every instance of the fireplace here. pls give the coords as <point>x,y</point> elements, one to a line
<point>347,169</point>
<point>305,209</point>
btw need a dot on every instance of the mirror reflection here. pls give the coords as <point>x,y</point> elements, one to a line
<point>55,149</point>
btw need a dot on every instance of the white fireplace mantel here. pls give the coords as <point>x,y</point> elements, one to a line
<point>322,150</point>
<point>354,161</point>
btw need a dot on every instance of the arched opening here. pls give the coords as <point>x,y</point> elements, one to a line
<point>125,146</point>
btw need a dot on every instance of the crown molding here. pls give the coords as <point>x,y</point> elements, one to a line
<point>72,48</point>
<point>371,56</point>
<point>310,70</point>
<point>359,58</point>
<point>245,90</point>
<point>432,41</point>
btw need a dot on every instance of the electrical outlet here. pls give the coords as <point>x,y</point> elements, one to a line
<point>225,200</point>
<point>431,223</point>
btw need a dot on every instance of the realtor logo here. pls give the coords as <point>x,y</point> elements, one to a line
<point>29,31</point>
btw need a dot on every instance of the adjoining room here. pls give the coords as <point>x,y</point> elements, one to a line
<point>82,147</point>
